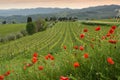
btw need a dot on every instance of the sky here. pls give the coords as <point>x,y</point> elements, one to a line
<point>78,4</point>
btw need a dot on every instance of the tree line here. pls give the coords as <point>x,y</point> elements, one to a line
<point>36,26</point>
<point>61,19</point>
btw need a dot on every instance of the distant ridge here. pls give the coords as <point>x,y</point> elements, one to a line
<point>31,11</point>
<point>97,12</point>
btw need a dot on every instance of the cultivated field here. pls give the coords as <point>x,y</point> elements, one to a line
<point>66,51</point>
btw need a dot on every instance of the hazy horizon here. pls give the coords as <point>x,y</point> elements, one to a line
<point>74,4</point>
<point>54,7</point>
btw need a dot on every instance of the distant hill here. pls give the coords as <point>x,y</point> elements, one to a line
<point>98,12</point>
<point>106,11</point>
<point>31,11</point>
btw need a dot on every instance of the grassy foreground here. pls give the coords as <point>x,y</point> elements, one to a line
<point>67,51</point>
<point>6,29</point>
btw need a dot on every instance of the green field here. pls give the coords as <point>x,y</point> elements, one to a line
<point>108,20</point>
<point>17,55</point>
<point>6,29</point>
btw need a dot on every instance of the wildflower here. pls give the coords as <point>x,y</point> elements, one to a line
<point>65,47</point>
<point>1,77</point>
<point>86,55</point>
<point>82,36</point>
<point>108,34</point>
<point>64,78</point>
<point>85,30</point>
<point>28,65</point>
<point>52,58</point>
<point>7,73</point>
<point>111,31</point>
<point>34,60</point>
<point>103,37</point>
<point>81,48</point>
<point>75,47</point>
<point>110,61</point>
<point>112,41</point>
<point>49,55</point>
<point>46,57</point>
<point>114,27</point>
<point>98,28</point>
<point>35,54</point>
<point>76,64</point>
<point>40,67</point>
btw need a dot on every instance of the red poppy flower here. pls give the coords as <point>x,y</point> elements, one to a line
<point>103,37</point>
<point>112,41</point>
<point>52,58</point>
<point>7,73</point>
<point>98,28</point>
<point>34,60</point>
<point>85,30</point>
<point>76,64</point>
<point>46,57</point>
<point>64,78</point>
<point>110,61</point>
<point>86,55</point>
<point>35,54</point>
<point>114,27</point>
<point>108,34</point>
<point>81,48</point>
<point>40,67</point>
<point>82,36</point>
<point>65,47</point>
<point>28,65</point>
<point>49,55</point>
<point>75,47</point>
<point>1,77</point>
<point>111,31</point>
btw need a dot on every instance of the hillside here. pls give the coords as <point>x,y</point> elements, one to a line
<point>68,50</point>
<point>98,12</point>
<point>31,11</point>
<point>11,29</point>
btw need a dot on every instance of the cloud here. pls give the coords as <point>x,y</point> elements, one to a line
<point>54,3</point>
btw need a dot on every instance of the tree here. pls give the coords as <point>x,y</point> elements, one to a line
<point>46,19</point>
<point>4,22</point>
<point>30,28</point>
<point>40,25</point>
<point>29,19</point>
<point>13,22</point>
<point>70,18</point>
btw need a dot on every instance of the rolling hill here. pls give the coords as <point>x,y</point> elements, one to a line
<point>62,51</point>
<point>98,12</point>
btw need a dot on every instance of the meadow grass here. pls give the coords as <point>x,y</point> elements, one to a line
<point>6,29</point>
<point>16,56</point>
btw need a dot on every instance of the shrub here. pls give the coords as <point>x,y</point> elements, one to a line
<point>23,32</point>
<point>0,39</point>
<point>40,25</point>
<point>3,40</point>
<point>95,23</point>
<point>19,35</point>
<point>11,37</point>
<point>4,22</point>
